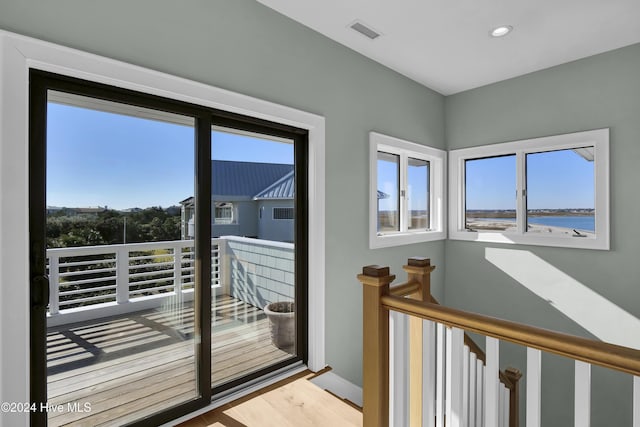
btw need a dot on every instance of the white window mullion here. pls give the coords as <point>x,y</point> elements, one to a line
<point>462,196</point>
<point>521,199</point>
<point>404,193</point>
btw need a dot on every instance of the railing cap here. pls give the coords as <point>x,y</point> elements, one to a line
<point>419,262</point>
<point>375,271</point>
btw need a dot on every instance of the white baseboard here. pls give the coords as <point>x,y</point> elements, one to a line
<point>339,386</point>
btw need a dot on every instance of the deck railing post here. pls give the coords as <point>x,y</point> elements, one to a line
<point>54,283</point>
<point>177,272</point>
<point>224,266</point>
<point>418,271</point>
<point>375,346</point>
<point>122,274</point>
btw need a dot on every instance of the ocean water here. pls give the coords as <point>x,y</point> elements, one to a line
<point>584,223</point>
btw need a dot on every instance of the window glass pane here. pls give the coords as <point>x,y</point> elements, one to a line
<point>388,192</point>
<point>224,213</point>
<point>490,193</point>
<point>283,213</point>
<point>418,194</point>
<point>252,255</point>
<point>117,179</point>
<point>561,192</point>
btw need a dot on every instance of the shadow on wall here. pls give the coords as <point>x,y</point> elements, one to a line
<point>591,311</point>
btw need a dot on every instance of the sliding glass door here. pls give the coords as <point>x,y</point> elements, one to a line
<point>253,252</point>
<point>168,253</point>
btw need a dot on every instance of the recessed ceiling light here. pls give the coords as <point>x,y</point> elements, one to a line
<point>501,31</point>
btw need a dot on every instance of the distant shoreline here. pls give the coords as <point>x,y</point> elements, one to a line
<point>535,213</point>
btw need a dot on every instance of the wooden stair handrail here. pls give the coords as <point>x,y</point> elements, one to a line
<point>599,353</point>
<point>379,298</point>
<point>376,340</point>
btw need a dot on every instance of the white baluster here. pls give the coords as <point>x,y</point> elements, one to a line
<point>501,406</point>
<point>429,373</point>
<point>398,369</point>
<point>507,400</point>
<point>534,376</point>
<point>480,368</point>
<point>491,379</point>
<point>636,401</point>
<point>473,395</point>
<point>582,404</point>
<point>440,372</point>
<point>453,387</point>
<point>505,410</point>
<point>465,385</point>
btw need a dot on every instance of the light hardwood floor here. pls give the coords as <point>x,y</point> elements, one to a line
<point>130,366</point>
<point>294,402</point>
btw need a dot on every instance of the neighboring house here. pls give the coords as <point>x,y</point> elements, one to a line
<point>247,199</point>
<point>276,210</point>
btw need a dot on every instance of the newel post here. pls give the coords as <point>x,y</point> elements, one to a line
<point>375,346</point>
<point>418,271</point>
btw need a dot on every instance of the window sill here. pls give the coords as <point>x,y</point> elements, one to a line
<point>400,239</point>
<point>589,242</point>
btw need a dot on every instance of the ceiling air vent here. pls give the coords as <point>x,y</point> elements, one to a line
<point>364,30</point>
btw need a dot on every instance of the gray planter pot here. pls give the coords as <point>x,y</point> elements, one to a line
<point>283,327</point>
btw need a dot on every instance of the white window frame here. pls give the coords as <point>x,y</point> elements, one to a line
<point>598,138</point>
<point>225,220</point>
<point>437,164</point>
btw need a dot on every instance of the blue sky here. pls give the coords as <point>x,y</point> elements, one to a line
<point>555,180</point>
<point>96,158</point>
<point>388,183</point>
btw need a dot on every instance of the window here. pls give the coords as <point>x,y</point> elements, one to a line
<point>551,191</point>
<point>490,195</point>
<point>406,192</point>
<point>282,213</point>
<point>224,213</point>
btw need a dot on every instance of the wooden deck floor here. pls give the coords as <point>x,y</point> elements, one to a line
<point>294,402</point>
<point>126,367</point>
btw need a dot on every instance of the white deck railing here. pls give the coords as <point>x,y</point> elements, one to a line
<point>97,281</point>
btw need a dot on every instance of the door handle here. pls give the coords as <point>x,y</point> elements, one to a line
<point>39,291</point>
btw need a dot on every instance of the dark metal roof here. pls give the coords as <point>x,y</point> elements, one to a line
<point>229,178</point>
<point>281,189</point>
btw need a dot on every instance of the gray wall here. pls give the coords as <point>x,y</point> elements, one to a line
<point>600,91</point>
<point>245,47</point>
<point>246,212</point>
<point>275,229</point>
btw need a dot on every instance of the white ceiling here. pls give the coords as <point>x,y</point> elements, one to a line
<point>445,44</point>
